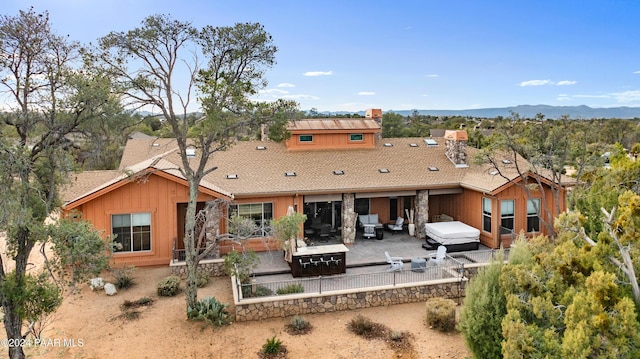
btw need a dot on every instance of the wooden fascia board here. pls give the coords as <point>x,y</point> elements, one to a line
<point>152,171</point>
<point>519,179</point>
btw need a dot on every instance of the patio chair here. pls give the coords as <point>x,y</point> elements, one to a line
<point>438,257</point>
<point>395,263</point>
<point>398,226</point>
<point>371,227</point>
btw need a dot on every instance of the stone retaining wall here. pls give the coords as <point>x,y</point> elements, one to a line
<point>299,304</point>
<point>215,267</point>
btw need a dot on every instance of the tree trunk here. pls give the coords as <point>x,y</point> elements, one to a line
<point>12,319</point>
<point>13,327</point>
<point>191,252</point>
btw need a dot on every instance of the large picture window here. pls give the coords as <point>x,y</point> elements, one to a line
<point>507,216</point>
<point>131,232</point>
<point>261,213</point>
<point>486,214</point>
<point>533,215</point>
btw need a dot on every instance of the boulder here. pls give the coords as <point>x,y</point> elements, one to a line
<point>96,283</point>
<point>110,289</point>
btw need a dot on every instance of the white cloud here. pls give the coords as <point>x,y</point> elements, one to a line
<point>591,96</point>
<point>432,75</point>
<point>566,83</point>
<point>627,96</point>
<point>563,97</point>
<point>636,72</point>
<point>286,84</point>
<point>366,93</point>
<point>301,97</point>
<point>318,73</point>
<point>536,83</point>
<point>274,91</point>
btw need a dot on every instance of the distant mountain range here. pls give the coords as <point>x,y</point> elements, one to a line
<point>525,111</point>
<point>530,111</point>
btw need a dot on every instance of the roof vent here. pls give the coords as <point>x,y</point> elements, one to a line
<point>290,174</point>
<point>506,161</point>
<point>155,145</point>
<point>413,145</point>
<point>433,168</point>
<point>388,144</point>
<point>338,172</point>
<point>232,176</point>
<point>261,148</point>
<point>384,170</point>
<point>493,173</point>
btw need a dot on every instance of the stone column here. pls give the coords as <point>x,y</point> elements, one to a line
<point>348,218</point>
<point>422,212</point>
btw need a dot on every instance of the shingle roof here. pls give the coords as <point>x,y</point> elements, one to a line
<point>262,172</point>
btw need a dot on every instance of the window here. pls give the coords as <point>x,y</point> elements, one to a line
<point>356,137</point>
<point>261,213</point>
<point>507,215</point>
<point>132,232</point>
<point>486,214</point>
<point>305,138</point>
<point>533,217</point>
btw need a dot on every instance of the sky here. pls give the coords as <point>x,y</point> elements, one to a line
<point>351,55</point>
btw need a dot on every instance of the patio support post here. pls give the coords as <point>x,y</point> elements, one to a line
<point>348,218</point>
<point>422,212</point>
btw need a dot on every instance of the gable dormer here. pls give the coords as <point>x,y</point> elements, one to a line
<point>333,133</point>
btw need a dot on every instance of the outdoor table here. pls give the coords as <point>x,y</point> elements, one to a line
<point>418,264</point>
<point>319,260</point>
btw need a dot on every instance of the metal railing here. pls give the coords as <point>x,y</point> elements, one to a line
<point>179,255</point>
<point>450,269</point>
<point>480,256</point>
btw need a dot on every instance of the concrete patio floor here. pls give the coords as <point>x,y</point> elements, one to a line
<point>363,253</point>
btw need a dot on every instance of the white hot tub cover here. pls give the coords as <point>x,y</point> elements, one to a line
<point>454,232</point>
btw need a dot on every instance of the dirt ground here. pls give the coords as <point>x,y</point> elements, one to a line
<point>92,322</point>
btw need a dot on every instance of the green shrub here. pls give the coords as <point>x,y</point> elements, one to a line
<point>298,326</point>
<point>273,346</point>
<point>169,286</point>
<point>366,328</point>
<point>261,291</point>
<point>290,289</point>
<point>441,314</point>
<point>124,276</point>
<point>211,311</point>
<point>481,315</point>
<point>202,279</point>
<point>241,264</point>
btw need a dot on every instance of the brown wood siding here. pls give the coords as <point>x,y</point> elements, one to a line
<point>449,204</point>
<point>380,206</point>
<point>331,141</point>
<point>467,207</point>
<point>158,196</point>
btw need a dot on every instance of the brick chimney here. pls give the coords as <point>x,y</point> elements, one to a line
<point>375,114</point>
<point>456,147</point>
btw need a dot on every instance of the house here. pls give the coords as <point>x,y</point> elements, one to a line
<point>330,169</point>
